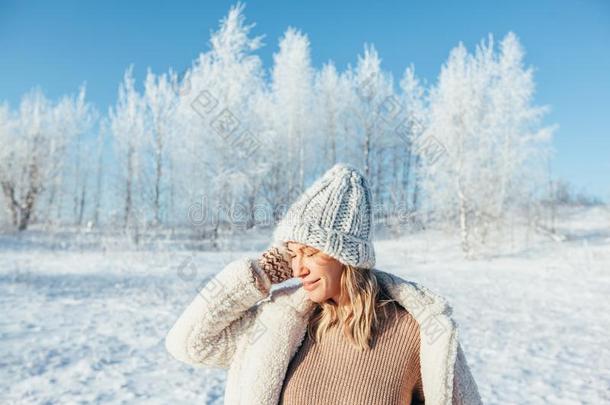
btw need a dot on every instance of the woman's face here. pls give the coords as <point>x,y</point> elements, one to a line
<point>320,273</point>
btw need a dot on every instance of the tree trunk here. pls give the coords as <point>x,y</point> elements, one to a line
<point>128,185</point>
<point>464,230</point>
<point>158,173</point>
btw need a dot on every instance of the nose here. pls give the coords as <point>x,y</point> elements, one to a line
<point>299,270</point>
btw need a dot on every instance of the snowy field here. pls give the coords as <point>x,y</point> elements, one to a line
<point>88,326</point>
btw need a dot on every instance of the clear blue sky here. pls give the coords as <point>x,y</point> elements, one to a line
<point>60,44</point>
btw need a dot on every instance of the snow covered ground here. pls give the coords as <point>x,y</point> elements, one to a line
<point>88,326</point>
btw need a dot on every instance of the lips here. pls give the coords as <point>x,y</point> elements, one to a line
<point>308,285</point>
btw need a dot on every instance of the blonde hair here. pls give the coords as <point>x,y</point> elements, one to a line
<point>364,305</point>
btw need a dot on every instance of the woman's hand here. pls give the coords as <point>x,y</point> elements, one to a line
<point>275,262</point>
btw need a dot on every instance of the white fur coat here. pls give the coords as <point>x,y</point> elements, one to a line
<point>231,324</point>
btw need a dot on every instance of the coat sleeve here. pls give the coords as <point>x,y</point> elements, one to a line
<point>225,310</point>
<point>465,390</point>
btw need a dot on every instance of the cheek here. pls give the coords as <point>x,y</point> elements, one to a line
<point>330,276</point>
<point>336,276</point>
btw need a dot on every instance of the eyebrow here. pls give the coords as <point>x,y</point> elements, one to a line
<point>309,251</point>
<point>302,249</point>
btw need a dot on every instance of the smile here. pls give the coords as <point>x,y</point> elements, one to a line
<point>310,286</point>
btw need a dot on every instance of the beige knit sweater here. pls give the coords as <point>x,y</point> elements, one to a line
<point>335,372</point>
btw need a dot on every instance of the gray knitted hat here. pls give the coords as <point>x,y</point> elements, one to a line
<point>333,215</point>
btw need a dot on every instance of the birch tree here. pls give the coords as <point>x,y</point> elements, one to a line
<point>160,101</point>
<point>35,141</point>
<point>127,123</point>
<point>292,92</point>
<point>481,113</point>
<point>413,121</point>
<point>372,129</point>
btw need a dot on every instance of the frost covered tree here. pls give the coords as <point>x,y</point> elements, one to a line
<point>483,120</point>
<point>292,94</point>
<point>372,124</point>
<point>35,146</point>
<point>522,145</point>
<point>99,171</point>
<point>333,99</point>
<point>127,123</point>
<point>7,161</point>
<point>413,121</point>
<point>229,141</point>
<point>160,101</point>
<point>219,125</point>
<point>76,117</point>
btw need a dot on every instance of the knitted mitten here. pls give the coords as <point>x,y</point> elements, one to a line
<point>275,262</point>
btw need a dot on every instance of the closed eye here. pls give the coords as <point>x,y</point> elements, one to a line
<point>292,255</point>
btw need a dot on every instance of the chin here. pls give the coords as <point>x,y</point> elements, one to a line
<point>312,296</point>
<point>315,297</point>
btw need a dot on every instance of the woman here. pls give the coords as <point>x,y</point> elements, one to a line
<point>347,334</point>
